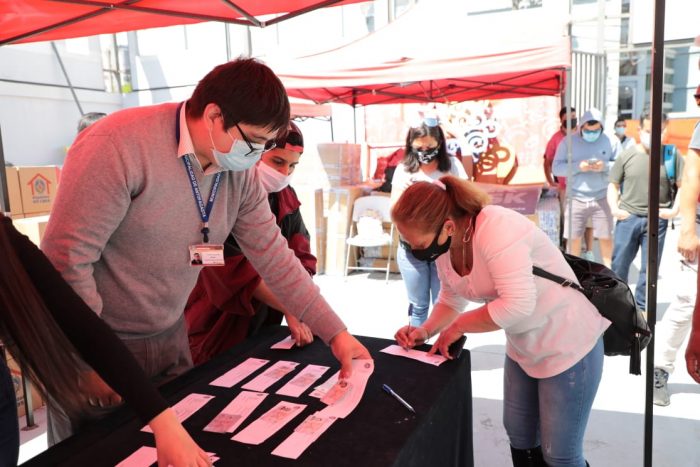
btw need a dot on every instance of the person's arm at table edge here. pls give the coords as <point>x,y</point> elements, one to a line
<point>688,240</point>
<point>102,349</point>
<point>301,333</point>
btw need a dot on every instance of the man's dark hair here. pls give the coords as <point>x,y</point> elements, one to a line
<point>620,120</point>
<point>562,112</point>
<point>411,160</point>
<point>247,91</point>
<point>646,115</point>
<point>88,119</point>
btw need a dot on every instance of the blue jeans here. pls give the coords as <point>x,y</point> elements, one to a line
<point>630,236</point>
<point>552,412</point>
<point>421,281</point>
<point>9,424</point>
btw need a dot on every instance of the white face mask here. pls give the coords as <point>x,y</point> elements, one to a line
<point>239,157</point>
<point>645,139</point>
<point>272,180</point>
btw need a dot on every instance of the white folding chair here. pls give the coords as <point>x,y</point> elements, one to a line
<point>369,213</point>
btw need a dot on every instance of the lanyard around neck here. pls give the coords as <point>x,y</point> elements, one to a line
<point>204,210</point>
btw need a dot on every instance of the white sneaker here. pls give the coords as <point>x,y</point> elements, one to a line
<point>588,255</point>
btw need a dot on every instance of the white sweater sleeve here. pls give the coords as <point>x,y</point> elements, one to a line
<point>505,242</point>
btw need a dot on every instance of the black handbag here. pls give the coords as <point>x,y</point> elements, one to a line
<point>629,333</point>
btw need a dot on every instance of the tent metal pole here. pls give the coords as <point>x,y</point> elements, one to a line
<point>657,94</point>
<point>354,115</point>
<point>227,36</point>
<point>568,224</point>
<point>65,74</point>
<point>4,193</point>
<point>238,9</point>
<point>568,221</point>
<point>332,129</point>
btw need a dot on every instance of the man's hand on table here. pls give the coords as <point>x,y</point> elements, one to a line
<point>345,348</point>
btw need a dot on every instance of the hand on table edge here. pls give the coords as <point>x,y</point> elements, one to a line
<point>174,445</point>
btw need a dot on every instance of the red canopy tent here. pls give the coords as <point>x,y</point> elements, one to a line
<point>45,20</point>
<point>437,52</point>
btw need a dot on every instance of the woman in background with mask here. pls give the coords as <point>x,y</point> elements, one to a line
<point>554,349</point>
<point>232,302</point>
<point>426,159</point>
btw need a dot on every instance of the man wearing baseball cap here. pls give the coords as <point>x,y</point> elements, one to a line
<point>232,302</point>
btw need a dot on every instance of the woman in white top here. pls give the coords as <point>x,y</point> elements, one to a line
<point>554,350</point>
<point>426,159</point>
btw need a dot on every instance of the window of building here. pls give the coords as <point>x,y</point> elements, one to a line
<point>624,31</point>
<point>625,6</point>
<point>625,101</point>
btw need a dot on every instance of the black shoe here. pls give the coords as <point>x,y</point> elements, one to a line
<point>527,457</point>
<point>661,395</point>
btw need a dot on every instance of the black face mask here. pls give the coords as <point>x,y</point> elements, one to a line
<point>426,156</point>
<point>434,250</point>
<point>574,122</point>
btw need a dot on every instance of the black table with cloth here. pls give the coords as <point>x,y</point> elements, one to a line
<point>379,432</point>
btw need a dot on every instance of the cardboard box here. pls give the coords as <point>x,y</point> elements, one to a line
<point>312,213</point>
<point>14,192</point>
<point>16,374</point>
<point>33,227</point>
<point>330,165</point>
<point>38,186</point>
<point>342,163</point>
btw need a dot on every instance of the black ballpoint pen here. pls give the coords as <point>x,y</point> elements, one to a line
<point>391,392</point>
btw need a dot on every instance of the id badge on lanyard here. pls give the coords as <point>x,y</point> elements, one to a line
<point>205,253</point>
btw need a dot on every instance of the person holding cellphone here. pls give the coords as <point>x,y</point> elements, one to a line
<point>592,155</point>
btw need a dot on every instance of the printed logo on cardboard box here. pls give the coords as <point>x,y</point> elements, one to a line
<point>41,189</point>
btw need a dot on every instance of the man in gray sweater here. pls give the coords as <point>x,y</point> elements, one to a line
<point>144,189</point>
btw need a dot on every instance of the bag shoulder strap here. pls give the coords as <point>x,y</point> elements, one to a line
<point>558,279</point>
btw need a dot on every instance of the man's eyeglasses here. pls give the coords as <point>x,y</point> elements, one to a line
<point>256,147</point>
